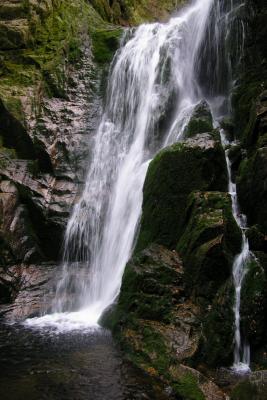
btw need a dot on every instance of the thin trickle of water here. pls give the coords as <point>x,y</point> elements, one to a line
<point>241,350</point>
<point>231,54</point>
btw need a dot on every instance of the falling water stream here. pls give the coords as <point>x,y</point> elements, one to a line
<point>242,350</point>
<point>158,76</point>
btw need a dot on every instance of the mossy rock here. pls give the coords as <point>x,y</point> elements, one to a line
<point>216,345</point>
<point>147,288</point>
<point>257,240</point>
<point>251,188</point>
<point>195,164</point>
<point>254,305</point>
<point>155,324</point>
<point>209,243</point>
<point>200,121</point>
<point>105,43</point>
<point>188,389</point>
<point>247,391</point>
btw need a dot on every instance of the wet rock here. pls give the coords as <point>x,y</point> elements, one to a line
<point>134,12</point>
<point>31,288</point>
<point>197,163</point>
<point>251,187</point>
<point>216,343</point>
<point>157,323</point>
<point>200,121</point>
<point>210,240</point>
<point>257,240</point>
<point>254,310</point>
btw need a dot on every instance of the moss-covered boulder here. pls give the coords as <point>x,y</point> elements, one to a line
<point>157,325</point>
<point>195,164</point>
<point>200,121</point>
<point>252,188</point>
<point>209,243</point>
<point>254,310</point>
<point>257,240</point>
<point>216,345</point>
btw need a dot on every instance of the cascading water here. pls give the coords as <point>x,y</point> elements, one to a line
<point>242,350</point>
<point>151,93</point>
<point>156,79</point>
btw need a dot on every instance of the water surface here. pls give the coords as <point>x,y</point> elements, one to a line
<point>36,365</point>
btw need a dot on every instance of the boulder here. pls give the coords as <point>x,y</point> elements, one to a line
<point>158,325</point>
<point>252,188</point>
<point>200,121</point>
<point>27,290</point>
<point>254,309</point>
<point>210,240</point>
<point>197,163</point>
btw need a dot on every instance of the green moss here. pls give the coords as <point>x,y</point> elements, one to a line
<point>245,391</point>
<point>56,41</point>
<point>173,174</point>
<point>188,389</point>
<point>14,106</point>
<point>105,43</point>
<point>251,189</point>
<point>216,346</point>
<point>145,291</point>
<point>142,318</point>
<point>209,243</point>
<point>200,121</point>
<point>254,304</point>
<point>139,11</point>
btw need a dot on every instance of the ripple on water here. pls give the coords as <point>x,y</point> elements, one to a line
<point>71,365</point>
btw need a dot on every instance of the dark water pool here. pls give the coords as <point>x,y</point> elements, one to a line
<point>37,365</point>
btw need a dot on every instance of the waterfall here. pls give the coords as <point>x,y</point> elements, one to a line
<point>157,77</point>
<point>241,350</point>
<point>152,91</point>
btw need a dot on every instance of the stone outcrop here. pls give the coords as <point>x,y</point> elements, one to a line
<point>134,12</point>
<point>158,323</point>
<point>27,290</point>
<point>197,163</point>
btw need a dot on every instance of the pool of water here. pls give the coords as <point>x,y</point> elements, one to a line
<point>40,364</point>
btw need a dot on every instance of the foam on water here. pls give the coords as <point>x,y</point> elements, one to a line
<point>85,320</point>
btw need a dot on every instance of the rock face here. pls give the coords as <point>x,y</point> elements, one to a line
<point>28,290</point>
<point>197,163</point>
<point>250,116</point>
<point>210,240</point>
<point>159,325</point>
<point>252,174</point>
<point>135,11</point>
<point>50,101</point>
<point>200,121</point>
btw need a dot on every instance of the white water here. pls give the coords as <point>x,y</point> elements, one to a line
<point>241,350</point>
<point>158,64</point>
